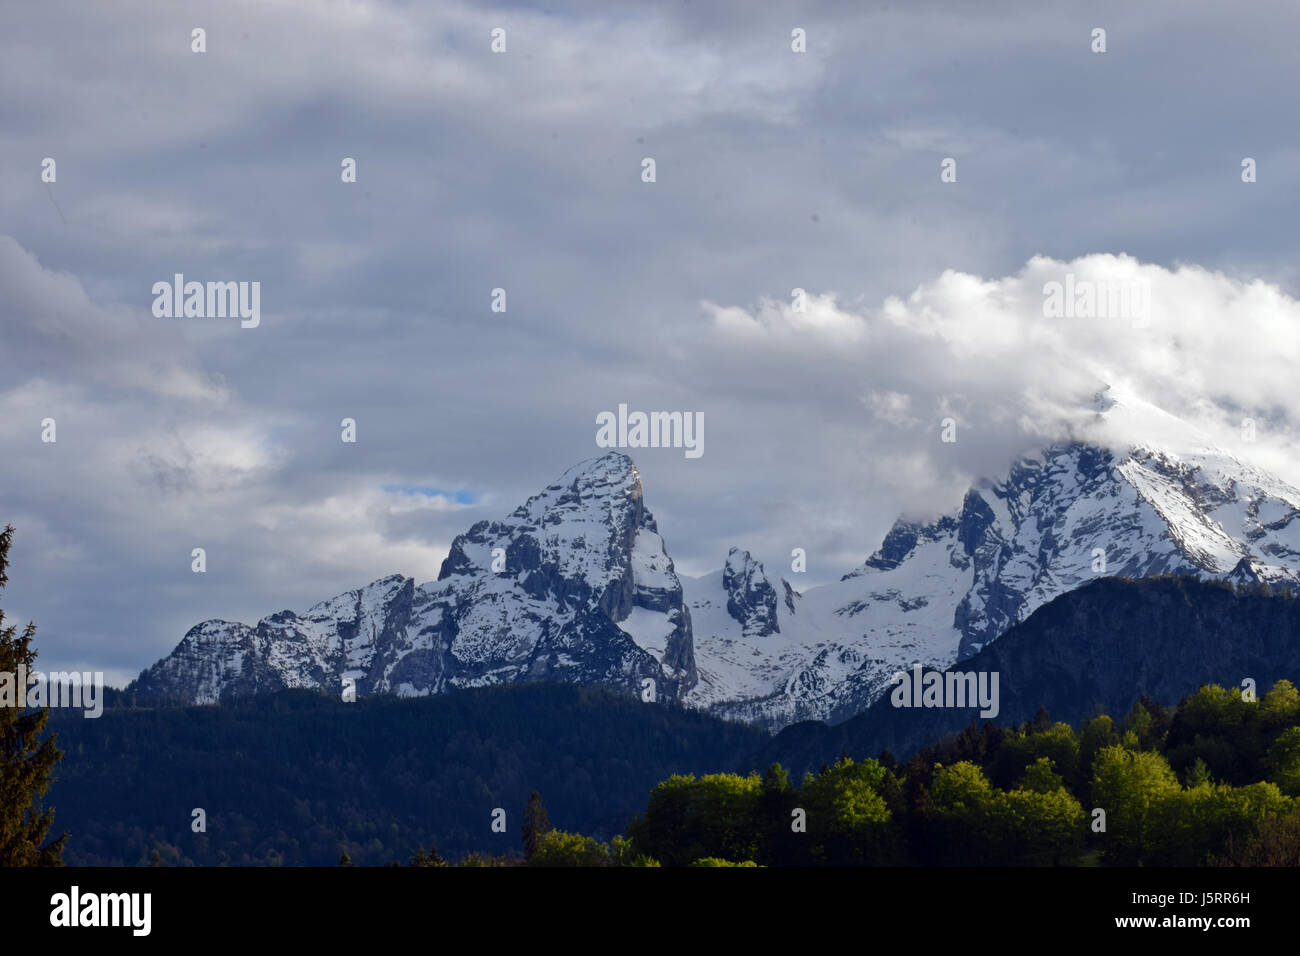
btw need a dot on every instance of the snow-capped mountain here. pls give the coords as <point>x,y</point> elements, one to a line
<point>573,586</point>
<point>576,585</point>
<point>937,592</point>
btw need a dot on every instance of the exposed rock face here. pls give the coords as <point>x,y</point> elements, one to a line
<point>574,586</point>
<point>751,598</point>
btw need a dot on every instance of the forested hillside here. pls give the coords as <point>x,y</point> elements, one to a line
<point>298,778</point>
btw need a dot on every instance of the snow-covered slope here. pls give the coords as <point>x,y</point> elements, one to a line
<point>576,585</point>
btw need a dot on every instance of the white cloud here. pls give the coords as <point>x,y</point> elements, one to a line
<point>1213,350</point>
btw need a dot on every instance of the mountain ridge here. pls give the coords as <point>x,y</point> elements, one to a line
<point>576,584</point>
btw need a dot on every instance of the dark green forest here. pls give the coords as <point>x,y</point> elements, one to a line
<point>297,778</point>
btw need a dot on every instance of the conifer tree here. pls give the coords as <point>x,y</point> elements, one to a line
<point>536,824</point>
<point>1042,720</point>
<point>26,761</point>
<point>427,859</point>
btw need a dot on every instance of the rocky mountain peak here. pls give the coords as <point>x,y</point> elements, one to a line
<point>573,585</point>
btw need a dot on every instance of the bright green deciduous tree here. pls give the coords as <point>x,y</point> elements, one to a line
<point>1283,761</point>
<point>557,848</point>
<point>1125,784</point>
<point>849,821</point>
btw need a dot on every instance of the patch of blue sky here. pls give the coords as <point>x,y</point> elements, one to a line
<point>462,496</point>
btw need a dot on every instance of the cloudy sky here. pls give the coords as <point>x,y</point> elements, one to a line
<point>522,170</point>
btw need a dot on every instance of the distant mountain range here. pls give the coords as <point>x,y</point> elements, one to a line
<point>576,585</point>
